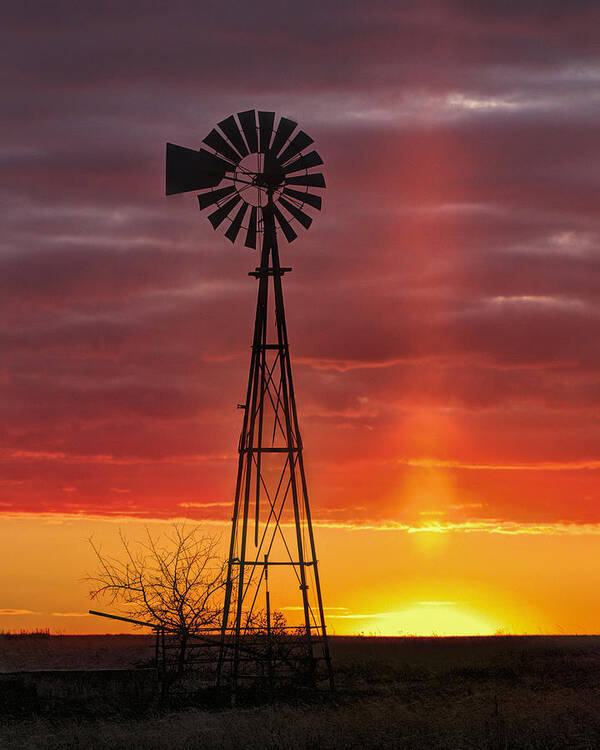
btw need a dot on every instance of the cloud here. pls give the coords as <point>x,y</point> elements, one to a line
<point>205,505</point>
<point>453,271</point>
<point>484,526</point>
<point>539,466</point>
<point>470,527</point>
<point>70,614</point>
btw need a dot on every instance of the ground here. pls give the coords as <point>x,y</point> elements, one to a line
<point>499,692</point>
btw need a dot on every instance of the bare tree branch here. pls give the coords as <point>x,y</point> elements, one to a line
<point>176,582</point>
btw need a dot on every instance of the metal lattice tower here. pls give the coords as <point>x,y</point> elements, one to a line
<point>257,178</point>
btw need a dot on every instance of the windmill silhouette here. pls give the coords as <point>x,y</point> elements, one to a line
<point>258,178</point>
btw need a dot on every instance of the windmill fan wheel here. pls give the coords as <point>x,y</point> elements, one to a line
<point>249,163</point>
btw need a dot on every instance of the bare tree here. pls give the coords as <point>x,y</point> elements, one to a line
<point>174,581</point>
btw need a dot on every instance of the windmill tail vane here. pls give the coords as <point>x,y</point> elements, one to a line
<point>257,175</point>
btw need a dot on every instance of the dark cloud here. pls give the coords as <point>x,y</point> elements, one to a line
<point>444,305</point>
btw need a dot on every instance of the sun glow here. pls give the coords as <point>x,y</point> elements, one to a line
<point>421,618</point>
<point>442,618</point>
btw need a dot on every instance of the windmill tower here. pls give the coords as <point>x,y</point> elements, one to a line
<point>257,177</point>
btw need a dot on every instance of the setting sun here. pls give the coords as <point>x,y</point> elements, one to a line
<point>422,619</point>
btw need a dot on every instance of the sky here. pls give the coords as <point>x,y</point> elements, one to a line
<point>443,309</point>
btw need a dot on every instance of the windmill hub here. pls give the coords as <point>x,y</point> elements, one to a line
<point>272,175</point>
<point>257,176</point>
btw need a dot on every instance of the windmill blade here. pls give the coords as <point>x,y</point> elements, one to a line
<point>230,127</point>
<point>284,130</point>
<point>187,169</point>
<point>304,162</point>
<point>312,200</point>
<point>251,233</point>
<point>233,230</point>
<point>310,180</point>
<point>286,227</point>
<point>217,216</point>
<point>298,143</point>
<point>215,140</point>
<point>299,215</point>
<point>248,122</point>
<point>214,196</point>
<point>265,125</point>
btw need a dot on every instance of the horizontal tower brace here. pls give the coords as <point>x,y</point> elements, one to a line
<point>254,449</point>
<point>235,561</point>
<point>268,272</point>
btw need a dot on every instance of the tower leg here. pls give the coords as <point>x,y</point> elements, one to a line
<point>294,450</point>
<point>235,567</point>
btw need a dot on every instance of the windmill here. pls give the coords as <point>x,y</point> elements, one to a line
<point>257,178</point>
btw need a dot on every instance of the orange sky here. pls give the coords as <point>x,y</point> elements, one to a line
<point>388,581</point>
<point>442,313</point>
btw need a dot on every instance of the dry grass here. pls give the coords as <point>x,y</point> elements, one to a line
<point>491,693</point>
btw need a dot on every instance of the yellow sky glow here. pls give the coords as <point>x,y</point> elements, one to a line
<point>386,581</point>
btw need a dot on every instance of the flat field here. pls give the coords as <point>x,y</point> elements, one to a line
<point>499,692</point>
